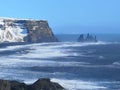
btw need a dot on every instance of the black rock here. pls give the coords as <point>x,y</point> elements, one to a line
<point>87,38</point>
<point>5,85</point>
<point>45,84</point>
<point>18,86</point>
<point>41,84</point>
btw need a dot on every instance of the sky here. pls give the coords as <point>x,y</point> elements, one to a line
<point>68,16</point>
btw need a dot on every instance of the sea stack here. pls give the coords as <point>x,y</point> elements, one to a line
<point>20,30</point>
<point>87,38</point>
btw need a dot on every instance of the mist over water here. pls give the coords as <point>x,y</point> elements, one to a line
<point>76,66</point>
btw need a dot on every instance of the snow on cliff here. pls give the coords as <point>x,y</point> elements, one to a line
<point>10,31</point>
<point>22,30</point>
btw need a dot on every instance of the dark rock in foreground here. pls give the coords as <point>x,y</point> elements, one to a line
<point>41,84</point>
<point>87,38</point>
<point>4,85</point>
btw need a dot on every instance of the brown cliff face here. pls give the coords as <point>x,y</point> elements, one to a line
<point>39,31</point>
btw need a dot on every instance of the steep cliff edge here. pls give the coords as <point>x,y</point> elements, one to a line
<point>39,31</point>
<point>16,30</point>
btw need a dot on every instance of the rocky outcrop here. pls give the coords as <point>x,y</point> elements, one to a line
<point>5,85</point>
<point>39,31</point>
<point>41,84</point>
<point>45,84</point>
<point>87,38</point>
<point>17,30</point>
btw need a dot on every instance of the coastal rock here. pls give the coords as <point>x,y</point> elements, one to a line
<point>87,38</point>
<point>41,84</point>
<point>45,84</point>
<point>4,85</point>
<point>18,86</point>
<point>19,30</point>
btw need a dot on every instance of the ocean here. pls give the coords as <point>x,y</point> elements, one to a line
<point>74,65</point>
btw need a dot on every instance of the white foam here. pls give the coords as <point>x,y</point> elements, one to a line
<point>101,57</point>
<point>43,51</point>
<point>76,44</point>
<point>78,84</point>
<point>16,62</point>
<point>51,50</point>
<point>30,81</point>
<point>40,51</point>
<point>116,63</point>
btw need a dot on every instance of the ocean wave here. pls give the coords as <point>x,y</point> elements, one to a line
<point>78,44</point>
<point>116,63</point>
<point>10,62</point>
<point>101,57</point>
<point>52,45</point>
<point>14,66</point>
<point>79,84</point>
<point>48,50</point>
<point>16,62</point>
<point>38,51</point>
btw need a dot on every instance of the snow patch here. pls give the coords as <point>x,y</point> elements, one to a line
<point>11,31</point>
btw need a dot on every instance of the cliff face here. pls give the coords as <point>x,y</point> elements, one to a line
<point>39,31</point>
<point>14,30</point>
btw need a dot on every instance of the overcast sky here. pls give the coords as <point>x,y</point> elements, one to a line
<point>68,16</point>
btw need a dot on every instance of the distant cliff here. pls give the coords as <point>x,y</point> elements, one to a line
<point>87,38</point>
<point>16,30</point>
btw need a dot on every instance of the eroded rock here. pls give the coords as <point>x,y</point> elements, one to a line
<point>41,84</point>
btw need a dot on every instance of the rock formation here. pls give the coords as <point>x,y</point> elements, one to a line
<point>41,84</point>
<point>16,30</point>
<point>4,85</point>
<point>87,38</point>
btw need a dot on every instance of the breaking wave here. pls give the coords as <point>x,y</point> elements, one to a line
<point>79,85</point>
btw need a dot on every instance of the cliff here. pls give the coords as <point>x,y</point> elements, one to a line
<point>87,38</point>
<point>16,30</point>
